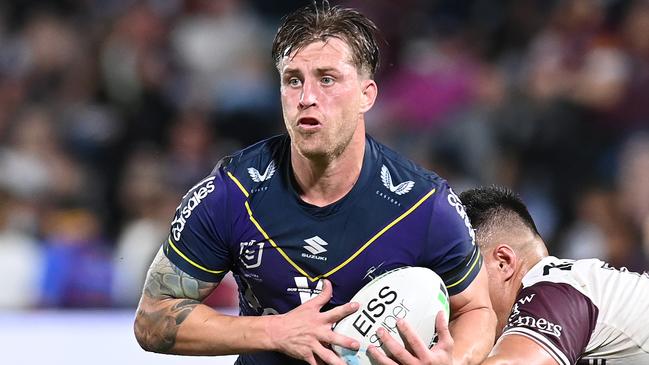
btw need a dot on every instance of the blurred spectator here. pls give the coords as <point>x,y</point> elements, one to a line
<point>601,230</point>
<point>20,258</point>
<point>192,151</point>
<point>77,265</point>
<point>223,46</point>
<point>149,204</point>
<point>40,168</point>
<point>633,182</point>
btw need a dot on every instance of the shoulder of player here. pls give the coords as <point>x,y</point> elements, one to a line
<point>552,272</point>
<point>404,169</point>
<point>254,164</point>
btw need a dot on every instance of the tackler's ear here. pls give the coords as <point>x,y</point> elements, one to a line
<point>506,259</point>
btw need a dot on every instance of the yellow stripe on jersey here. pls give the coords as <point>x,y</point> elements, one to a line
<point>477,259</point>
<point>266,236</point>
<point>379,234</point>
<point>190,261</point>
<point>350,259</point>
<point>261,230</point>
<point>236,181</point>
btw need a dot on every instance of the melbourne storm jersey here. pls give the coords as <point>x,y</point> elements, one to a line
<point>584,312</point>
<point>246,217</point>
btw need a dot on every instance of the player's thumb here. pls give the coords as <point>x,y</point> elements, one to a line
<point>444,338</point>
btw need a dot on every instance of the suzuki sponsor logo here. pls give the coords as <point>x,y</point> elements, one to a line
<point>197,193</point>
<point>315,245</point>
<point>400,189</point>
<point>250,253</point>
<point>258,177</point>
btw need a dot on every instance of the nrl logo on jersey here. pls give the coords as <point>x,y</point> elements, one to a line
<point>268,173</point>
<point>250,253</point>
<point>399,189</point>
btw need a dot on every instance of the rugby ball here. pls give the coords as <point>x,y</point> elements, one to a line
<point>415,294</point>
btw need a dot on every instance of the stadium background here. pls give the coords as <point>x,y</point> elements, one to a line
<point>111,109</point>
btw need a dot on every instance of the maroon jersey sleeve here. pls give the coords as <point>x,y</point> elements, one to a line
<point>556,316</point>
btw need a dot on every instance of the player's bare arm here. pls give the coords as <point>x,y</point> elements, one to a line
<point>169,296</point>
<point>171,319</point>
<point>471,313</point>
<point>518,350</point>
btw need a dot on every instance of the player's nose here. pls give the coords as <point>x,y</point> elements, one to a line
<point>308,96</point>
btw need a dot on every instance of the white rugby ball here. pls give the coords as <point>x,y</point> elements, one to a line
<point>415,294</point>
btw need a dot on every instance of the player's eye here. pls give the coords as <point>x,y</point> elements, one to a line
<point>294,82</point>
<point>327,80</point>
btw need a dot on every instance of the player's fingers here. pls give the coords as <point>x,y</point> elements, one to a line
<point>444,339</point>
<point>394,349</point>
<point>333,338</point>
<point>378,357</point>
<point>324,296</point>
<point>341,311</point>
<point>311,360</point>
<point>328,356</point>
<point>411,341</point>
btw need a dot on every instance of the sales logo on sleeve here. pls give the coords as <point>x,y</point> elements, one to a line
<point>455,202</point>
<point>190,201</point>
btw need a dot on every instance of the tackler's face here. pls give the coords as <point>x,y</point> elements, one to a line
<point>324,97</point>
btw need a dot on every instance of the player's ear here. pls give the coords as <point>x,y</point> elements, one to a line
<point>506,259</point>
<point>369,92</point>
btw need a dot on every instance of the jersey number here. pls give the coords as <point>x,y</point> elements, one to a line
<point>564,266</point>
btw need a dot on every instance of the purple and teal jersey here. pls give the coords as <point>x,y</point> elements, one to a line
<point>247,218</point>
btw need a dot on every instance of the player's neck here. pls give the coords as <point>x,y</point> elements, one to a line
<point>322,182</point>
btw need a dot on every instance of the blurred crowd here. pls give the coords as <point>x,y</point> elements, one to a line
<point>111,109</point>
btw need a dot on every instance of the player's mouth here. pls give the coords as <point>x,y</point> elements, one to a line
<point>308,124</point>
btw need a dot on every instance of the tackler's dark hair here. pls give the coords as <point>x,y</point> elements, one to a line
<point>484,206</point>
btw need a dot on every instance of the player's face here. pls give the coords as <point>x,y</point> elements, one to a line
<point>323,98</point>
<point>497,293</point>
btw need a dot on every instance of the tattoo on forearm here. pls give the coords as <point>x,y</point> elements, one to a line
<point>157,323</point>
<point>158,329</point>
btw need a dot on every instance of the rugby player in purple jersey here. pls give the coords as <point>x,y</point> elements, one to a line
<point>304,220</point>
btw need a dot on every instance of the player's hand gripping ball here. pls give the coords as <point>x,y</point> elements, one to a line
<point>415,294</point>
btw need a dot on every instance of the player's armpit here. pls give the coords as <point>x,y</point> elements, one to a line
<point>169,296</point>
<point>518,350</point>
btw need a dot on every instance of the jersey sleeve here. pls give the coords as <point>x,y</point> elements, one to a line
<point>197,241</point>
<point>556,316</point>
<point>452,252</point>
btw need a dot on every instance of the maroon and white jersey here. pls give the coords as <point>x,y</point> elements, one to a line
<point>584,312</point>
